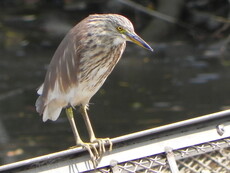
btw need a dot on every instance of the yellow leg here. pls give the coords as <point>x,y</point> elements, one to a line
<point>87,123</point>
<point>93,139</point>
<point>94,156</point>
<point>69,112</point>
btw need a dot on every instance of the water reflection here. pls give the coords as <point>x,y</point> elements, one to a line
<point>204,78</point>
<point>145,90</point>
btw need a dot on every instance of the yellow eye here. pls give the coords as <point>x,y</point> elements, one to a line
<point>119,28</point>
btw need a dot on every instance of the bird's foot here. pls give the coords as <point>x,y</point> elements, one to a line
<point>96,151</point>
<point>93,152</point>
<point>96,148</point>
<point>102,142</point>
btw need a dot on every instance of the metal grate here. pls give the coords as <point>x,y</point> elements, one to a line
<point>211,157</point>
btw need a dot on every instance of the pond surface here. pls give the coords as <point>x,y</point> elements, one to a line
<point>145,90</point>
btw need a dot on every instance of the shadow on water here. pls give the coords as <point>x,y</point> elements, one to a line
<point>144,91</point>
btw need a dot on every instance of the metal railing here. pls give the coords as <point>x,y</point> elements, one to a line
<point>198,145</point>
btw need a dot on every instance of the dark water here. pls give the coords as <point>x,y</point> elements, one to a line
<point>145,90</point>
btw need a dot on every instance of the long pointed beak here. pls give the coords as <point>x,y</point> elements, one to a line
<point>138,40</point>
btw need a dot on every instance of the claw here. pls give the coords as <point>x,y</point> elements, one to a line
<point>110,144</point>
<point>94,152</point>
<point>101,145</point>
<point>93,157</point>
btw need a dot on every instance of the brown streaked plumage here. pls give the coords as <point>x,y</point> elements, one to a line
<point>80,66</point>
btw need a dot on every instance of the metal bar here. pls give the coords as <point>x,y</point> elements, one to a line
<point>171,160</point>
<point>41,159</point>
<point>201,119</point>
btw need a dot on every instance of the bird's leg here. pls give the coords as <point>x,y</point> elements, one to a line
<point>93,139</point>
<point>79,142</point>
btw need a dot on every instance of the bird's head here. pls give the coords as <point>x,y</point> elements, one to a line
<point>125,28</point>
<point>118,27</point>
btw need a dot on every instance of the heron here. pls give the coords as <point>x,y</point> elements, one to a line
<point>79,67</point>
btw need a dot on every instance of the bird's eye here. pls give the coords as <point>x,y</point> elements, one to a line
<point>119,28</point>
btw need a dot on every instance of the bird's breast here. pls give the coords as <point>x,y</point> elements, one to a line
<point>97,65</point>
<point>95,69</point>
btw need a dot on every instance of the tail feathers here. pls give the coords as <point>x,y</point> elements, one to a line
<point>51,110</point>
<point>40,105</point>
<point>40,89</point>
